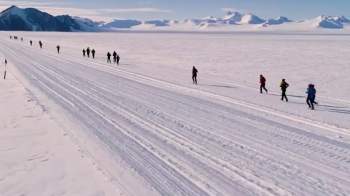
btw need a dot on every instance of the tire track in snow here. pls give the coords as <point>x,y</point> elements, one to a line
<point>251,106</point>
<point>223,182</point>
<point>187,122</point>
<point>182,186</point>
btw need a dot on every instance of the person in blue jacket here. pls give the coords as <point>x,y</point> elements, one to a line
<point>311,96</point>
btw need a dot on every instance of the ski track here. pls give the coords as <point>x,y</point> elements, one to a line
<point>183,141</point>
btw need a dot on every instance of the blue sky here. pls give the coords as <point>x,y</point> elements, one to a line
<point>183,9</point>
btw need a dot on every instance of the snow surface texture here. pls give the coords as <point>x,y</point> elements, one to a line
<point>36,156</point>
<point>149,127</point>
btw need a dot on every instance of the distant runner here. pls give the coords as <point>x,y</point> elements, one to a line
<point>114,57</point>
<point>58,49</point>
<point>262,83</point>
<point>93,53</point>
<point>311,96</point>
<point>84,52</point>
<point>88,52</point>
<point>118,59</point>
<point>109,57</point>
<point>194,75</point>
<point>284,85</point>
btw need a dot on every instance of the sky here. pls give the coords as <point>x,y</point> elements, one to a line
<point>107,10</point>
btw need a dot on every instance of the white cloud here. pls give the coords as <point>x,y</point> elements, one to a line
<point>128,10</point>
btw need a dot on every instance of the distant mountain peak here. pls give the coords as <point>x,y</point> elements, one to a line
<point>31,19</point>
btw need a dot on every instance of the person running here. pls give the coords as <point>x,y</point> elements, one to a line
<point>194,75</point>
<point>118,59</point>
<point>109,57</point>
<point>31,43</point>
<point>21,39</point>
<point>5,62</point>
<point>58,49</point>
<point>284,85</point>
<point>311,96</point>
<point>84,52</point>
<point>93,53</point>
<point>262,83</point>
<point>114,57</point>
<point>40,44</point>
<point>88,52</point>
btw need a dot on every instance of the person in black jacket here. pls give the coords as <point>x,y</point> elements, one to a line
<point>84,52</point>
<point>40,44</point>
<point>284,85</point>
<point>93,53</point>
<point>109,57</point>
<point>114,57</point>
<point>194,75</point>
<point>118,59</point>
<point>88,52</point>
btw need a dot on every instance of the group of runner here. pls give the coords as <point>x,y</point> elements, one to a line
<point>310,91</point>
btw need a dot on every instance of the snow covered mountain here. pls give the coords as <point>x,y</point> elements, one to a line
<point>278,21</point>
<point>30,19</point>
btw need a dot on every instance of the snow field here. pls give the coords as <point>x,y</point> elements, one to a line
<point>145,120</point>
<point>37,156</point>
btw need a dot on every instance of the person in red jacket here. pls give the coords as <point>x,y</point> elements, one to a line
<point>194,75</point>
<point>262,83</point>
<point>58,49</point>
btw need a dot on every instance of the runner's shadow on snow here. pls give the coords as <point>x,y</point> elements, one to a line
<point>295,96</point>
<point>221,86</point>
<point>337,111</point>
<point>332,107</point>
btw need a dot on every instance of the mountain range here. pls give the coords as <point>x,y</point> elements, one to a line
<point>31,19</point>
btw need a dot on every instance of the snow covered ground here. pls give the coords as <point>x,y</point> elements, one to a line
<point>36,156</point>
<point>147,126</point>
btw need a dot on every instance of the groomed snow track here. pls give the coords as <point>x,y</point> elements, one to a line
<point>177,140</point>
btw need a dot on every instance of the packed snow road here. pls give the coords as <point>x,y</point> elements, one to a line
<point>169,139</point>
